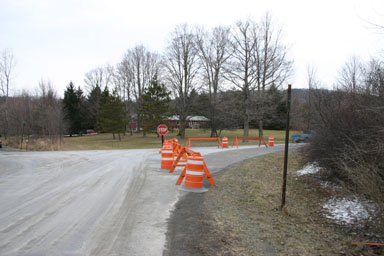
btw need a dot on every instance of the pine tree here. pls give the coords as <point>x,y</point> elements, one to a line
<point>154,105</point>
<point>93,107</point>
<point>111,117</point>
<point>73,105</point>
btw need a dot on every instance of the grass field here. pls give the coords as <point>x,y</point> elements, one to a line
<point>242,214</point>
<point>106,141</point>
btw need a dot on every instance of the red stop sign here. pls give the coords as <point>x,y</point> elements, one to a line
<point>162,129</point>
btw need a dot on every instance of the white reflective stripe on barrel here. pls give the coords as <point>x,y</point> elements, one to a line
<point>196,162</point>
<point>167,158</point>
<point>167,151</point>
<point>194,173</point>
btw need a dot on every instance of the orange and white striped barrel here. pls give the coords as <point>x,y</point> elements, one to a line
<point>167,157</point>
<point>271,141</point>
<point>224,142</point>
<point>166,142</point>
<point>194,175</point>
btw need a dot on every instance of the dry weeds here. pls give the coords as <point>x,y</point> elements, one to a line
<point>244,211</point>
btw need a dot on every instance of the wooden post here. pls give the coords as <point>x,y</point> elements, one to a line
<point>284,187</point>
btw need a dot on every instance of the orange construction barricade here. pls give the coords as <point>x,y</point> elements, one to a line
<point>166,142</point>
<point>188,145</point>
<point>194,175</point>
<point>271,141</point>
<point>225,142</point>
<point>237,138</point>
<point>167,157</point>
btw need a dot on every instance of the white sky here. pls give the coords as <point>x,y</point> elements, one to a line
<point>61,40</point>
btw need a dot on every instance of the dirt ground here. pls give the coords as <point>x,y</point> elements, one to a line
<point>241,216</point>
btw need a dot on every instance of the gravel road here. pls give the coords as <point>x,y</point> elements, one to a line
<point>93,202</point>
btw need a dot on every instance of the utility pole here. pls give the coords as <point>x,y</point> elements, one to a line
<point>284,187</point>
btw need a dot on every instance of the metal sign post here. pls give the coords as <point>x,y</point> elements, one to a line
<point>284,187</point>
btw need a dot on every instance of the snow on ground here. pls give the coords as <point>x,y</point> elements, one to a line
<point>309,169</point>
<point>330,185</point>
<point>349,211</point>
<point>352,210</point>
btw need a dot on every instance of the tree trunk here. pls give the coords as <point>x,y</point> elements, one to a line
<point>246,115</point>
<point>144,130</point>
<point>182,128</point>
<point>261,132</point>
<point>138,122</point>
<point>213,124</point>
<point>6,116</point>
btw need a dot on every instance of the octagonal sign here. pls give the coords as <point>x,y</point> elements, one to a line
<point>162,129</point>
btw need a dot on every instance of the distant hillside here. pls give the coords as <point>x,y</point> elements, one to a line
<point>301,94</point>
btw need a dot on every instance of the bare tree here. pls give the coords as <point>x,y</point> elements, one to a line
<point>239,69</point>
<point>374,78</point>
<point>123,80</point>
<point>98,77</point>
<point>49,112</point>
<point>39,115</point>
<point>181,64</point>
<point>313,84</point>
<point>7,64</point>
<point>138,67</point>
<point>351,76</point>
<point>271,62</point>
<point>213,52</point>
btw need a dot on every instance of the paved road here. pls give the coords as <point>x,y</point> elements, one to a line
<point>92,202</point>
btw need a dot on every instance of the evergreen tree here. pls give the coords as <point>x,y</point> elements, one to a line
<point>93,107</point>
<point>154,105</point>
<point>73,105</point>
<point>111,117</point>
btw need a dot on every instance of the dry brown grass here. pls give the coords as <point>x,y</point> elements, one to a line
<point>244,210</point>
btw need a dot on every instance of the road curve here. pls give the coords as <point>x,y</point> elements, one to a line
<point>92,202</point>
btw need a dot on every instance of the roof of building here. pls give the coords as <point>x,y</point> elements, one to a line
<point>189,118</point>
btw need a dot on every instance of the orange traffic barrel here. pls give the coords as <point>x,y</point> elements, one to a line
<point>194,176</point>
<point>166,142</point>
<point>271,141</point>
<point>166,157</point>
<point>225,142</point>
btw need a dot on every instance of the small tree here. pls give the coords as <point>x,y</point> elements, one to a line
<point>73,112</point>
<point>154,105</point>
<point>7,64</point>
<point>111,117</point>
<point>93,107</point>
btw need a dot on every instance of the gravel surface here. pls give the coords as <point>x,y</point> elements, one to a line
<point>113,202</point>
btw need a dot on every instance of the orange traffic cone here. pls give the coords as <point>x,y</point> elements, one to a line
<point>194,175</point>
<point>271,141</point>
<point>167,157</point>
<point>225,142</point>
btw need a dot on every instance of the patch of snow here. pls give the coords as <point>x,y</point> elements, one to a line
<point>330,185</point>
<point>349,211</point>
<point>309,169</point>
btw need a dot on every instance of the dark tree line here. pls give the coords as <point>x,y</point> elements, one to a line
<point>102,111</point>
<point>196,64</point>
<point>35,119</point>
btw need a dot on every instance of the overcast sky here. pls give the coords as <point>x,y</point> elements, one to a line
<point>61,40</point>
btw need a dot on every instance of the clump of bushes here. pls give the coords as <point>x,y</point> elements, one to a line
<point>349,141</point>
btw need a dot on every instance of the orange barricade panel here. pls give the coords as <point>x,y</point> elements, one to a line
<point>216,138</point>
<point>193,180</point>
<point>237,138</point>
